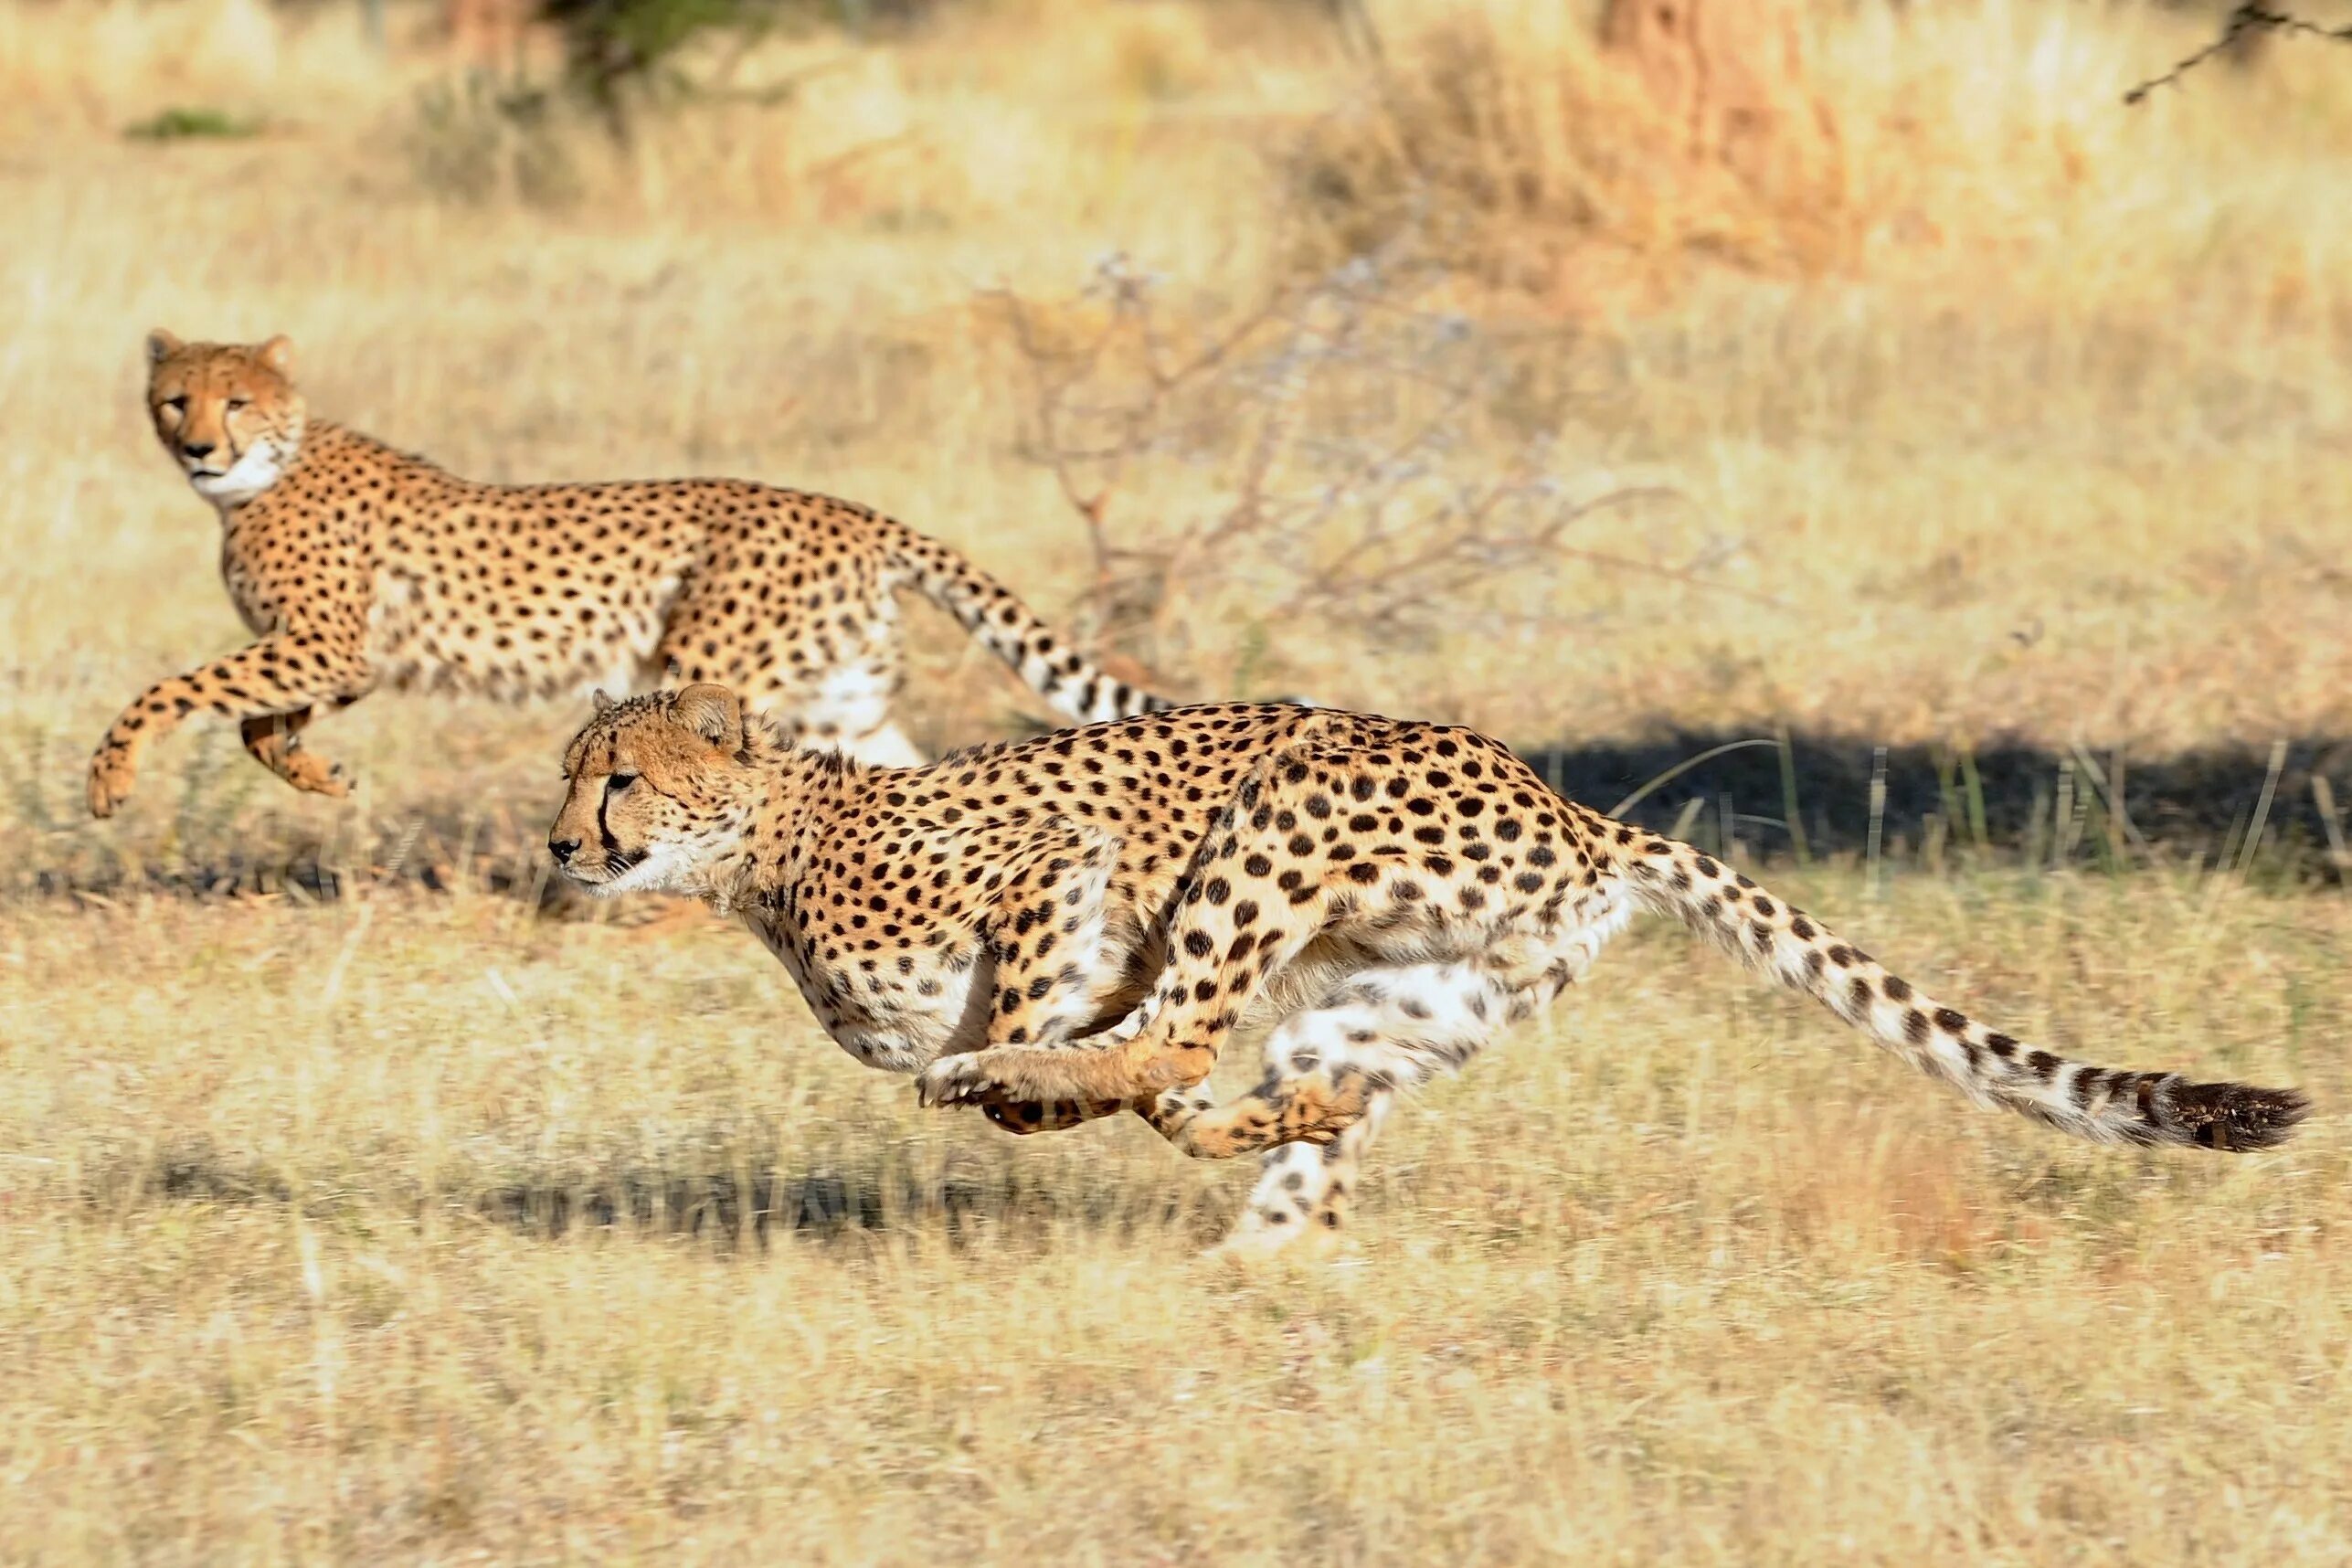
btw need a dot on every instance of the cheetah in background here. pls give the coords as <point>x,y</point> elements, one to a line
<point>1074,926</point>
<point>357,566</point>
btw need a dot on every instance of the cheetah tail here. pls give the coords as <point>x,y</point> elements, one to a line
<point>2104,1105</point>
<point>1008,629</point>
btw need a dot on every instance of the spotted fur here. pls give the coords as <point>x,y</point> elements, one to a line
<point>1077,925</point>
<point>357,566</point>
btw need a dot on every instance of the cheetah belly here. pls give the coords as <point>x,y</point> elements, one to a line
<point>900,1024</point>
<point>423,637</point>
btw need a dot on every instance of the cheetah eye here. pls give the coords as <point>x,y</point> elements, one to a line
<point>237,403</point>
<point>176,404</point>
<point>616,783</point>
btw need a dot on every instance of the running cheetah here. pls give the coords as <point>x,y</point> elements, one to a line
<point>358,567</point>
<point>1074,925</point>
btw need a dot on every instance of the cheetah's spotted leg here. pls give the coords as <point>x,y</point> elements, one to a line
<point>281,673</point>
<point>1237,922</point>
<point>1044,940</point>
<point>1346,1059</point>
<point>275,741</point>
<point>1022,1117</point>
<point>1328,1066</point>
<point>1304,1190</point>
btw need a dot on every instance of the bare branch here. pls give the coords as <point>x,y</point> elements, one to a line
<point>1334,451</point>
<point>2245,19</point>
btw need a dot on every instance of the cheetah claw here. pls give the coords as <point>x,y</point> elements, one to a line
<point>957,1080</point>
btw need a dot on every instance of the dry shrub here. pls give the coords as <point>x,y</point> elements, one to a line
<point>102,66</point>
<point>1574,163</point>
<point>1734,78</point>
<point>1344,452</point>
<point>1614,165</point>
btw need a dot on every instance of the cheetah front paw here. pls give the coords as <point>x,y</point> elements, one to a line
<point>111,771</point>
<point>1042,1073</point>
<point>316,775</point>
<point>960,1080</point>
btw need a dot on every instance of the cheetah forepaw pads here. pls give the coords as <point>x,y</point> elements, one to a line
<point>111,774</point>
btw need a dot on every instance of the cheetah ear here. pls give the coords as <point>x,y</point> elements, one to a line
<point>602,702</point>
<point>711,712</point>
<point>277,354</point>
<point>161,345</point>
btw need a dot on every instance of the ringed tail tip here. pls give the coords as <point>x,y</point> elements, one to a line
<point>2237,1117</point>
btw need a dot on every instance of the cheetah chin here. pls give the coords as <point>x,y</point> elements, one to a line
<point>663,870</point>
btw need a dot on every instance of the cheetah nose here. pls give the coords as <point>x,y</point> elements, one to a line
<point>198,448</point>
<point>562,850</point>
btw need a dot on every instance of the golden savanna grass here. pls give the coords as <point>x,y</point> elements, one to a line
<point>410,1224</point>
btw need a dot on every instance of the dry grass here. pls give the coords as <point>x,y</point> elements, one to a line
<point>409,1226</point>
<point>1681,1274</point>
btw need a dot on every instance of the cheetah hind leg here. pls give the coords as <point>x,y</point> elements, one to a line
<point>884,745</point>
<point>1303,1194</point>
<point>1334,1072</point>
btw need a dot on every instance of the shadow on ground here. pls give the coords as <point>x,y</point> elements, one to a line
<point>1753,798</point>
<point>730,1202</point>
<point>1826,794</point>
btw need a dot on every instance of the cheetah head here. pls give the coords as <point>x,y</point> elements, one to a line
<point>659,790</point>
<point>228,413</point>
